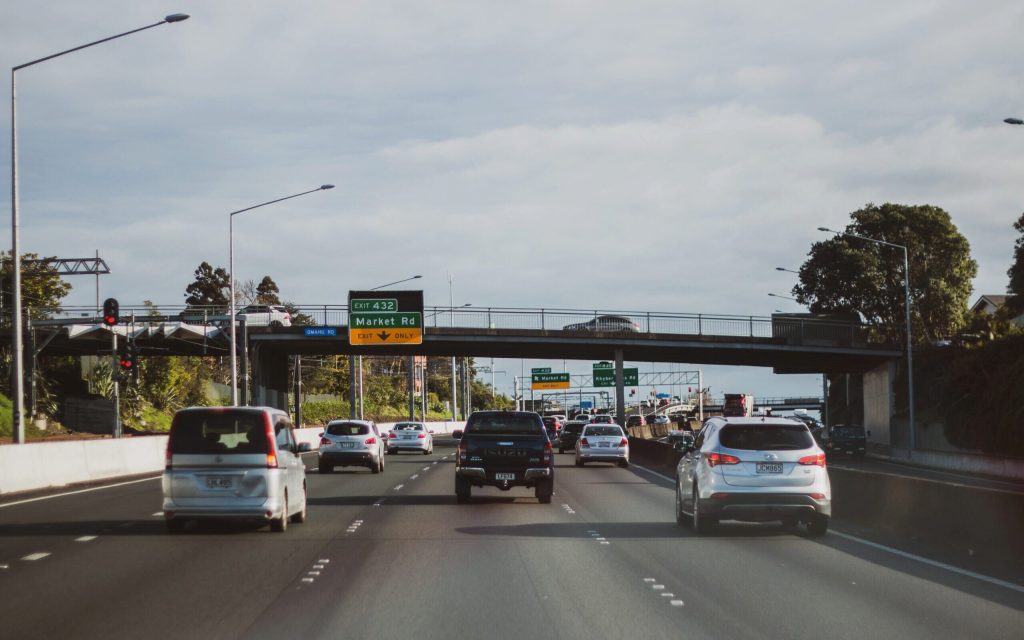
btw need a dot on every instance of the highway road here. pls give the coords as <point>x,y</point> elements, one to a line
<point>393,556</point>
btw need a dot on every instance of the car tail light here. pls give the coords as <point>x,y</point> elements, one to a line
<point>168,456</point>
<point>392,435</point>
<point>462,451</point>
<point>422,436</point>
<point>715,459</point>
<point>271,444</point>
<point>624,443</point>
<point>370,440</point>
<point>324,442</point>
<point>817,460</point>
<point>584,443</point>
<point>547,454</point>
<point>818,496</point>
<point>719,495</point>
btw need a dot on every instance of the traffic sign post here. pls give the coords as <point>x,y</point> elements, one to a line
<point>549,381</point>
<point>385,318</point>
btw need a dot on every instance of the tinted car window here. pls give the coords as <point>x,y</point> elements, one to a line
<point>408,426</point>
<point>573,428</point>
<point>198,432</point>
<point>848,432</point>
<point>603,431</point>
<point>766,437</point>
<point>348,429</point>
<point>505,423</point>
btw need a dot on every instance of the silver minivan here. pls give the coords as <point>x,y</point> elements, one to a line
<point>234,463</point>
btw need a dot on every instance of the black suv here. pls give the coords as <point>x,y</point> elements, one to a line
<point>504,449</point>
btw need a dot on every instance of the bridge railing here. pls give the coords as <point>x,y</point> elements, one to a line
<point>572,321</point>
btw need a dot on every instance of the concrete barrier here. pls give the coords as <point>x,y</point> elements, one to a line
<point>41,465</point>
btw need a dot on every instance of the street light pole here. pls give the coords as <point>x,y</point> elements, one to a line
<point>17,354</point>
<point>231,281</point>
<point>906,308</point>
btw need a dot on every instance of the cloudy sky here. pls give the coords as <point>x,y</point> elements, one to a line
<point>560,153</point>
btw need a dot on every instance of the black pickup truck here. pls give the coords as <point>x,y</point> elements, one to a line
<point>504,449</point>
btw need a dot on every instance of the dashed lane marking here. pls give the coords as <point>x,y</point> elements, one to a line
<point>414,476</point>
<point>85,539</point>
<point>676,603</point>
<point>399,487</point>
<point>32,557</point>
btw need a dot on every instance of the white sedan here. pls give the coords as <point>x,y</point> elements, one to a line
<point>411,436</point>
<point>602,443</point>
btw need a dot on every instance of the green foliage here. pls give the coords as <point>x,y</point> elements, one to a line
<point>322,411</point>
<point>266,291</point>
<point>210,287</point>
<point>41,289</point>
<point>6,417</point>
<point>1016,272</point>
<point>845,274</point>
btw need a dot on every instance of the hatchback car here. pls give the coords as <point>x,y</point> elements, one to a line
<point>233,463</point>
<point>635,420</point>
<point>754,470</point>
<point>605,323</point>
<point>411,436</point>
<point>351,443</point>
<point>602,418</point>
<point>602,443</point>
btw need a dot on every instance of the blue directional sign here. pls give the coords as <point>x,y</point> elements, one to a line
<point>318,332</point>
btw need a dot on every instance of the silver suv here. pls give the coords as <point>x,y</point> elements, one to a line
<point>266,315</point>
<point>351,443</point>
<point>756,470</point>
<point>234,462</point>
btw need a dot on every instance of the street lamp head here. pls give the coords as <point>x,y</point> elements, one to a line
<point>415,277</point>
<point>1013,121</point>
<point>827,230</point>
<point>325,187</point>
<point>176,17</point>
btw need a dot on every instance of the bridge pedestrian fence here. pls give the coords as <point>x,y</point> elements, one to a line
<point>571,321</point>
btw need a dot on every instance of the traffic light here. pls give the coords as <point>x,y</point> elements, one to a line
<point>111,312</point>
<point>129,358</point>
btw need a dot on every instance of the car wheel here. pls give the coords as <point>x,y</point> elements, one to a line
<point>623,463</point>
<point>280,525</point>
<point>544,491</point>
<point>300,516</point>
<point>463,490</point>
<point>393,451</point>
<point>579,463</point>
<point>681,517</point>
<point>375,467</point>
<point>561,450</point>
<point>381,465</point>
<point>790,522</point>
<point>702,523</point>
<point>325,468</point>
<point>276,323</point>
<point>426,452</point>
<point>175,525</point>
<point>818,525</point>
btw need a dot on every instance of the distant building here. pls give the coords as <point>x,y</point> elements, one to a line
<point>990,303</point>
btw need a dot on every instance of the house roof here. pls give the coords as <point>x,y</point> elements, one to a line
<point>996,300</point>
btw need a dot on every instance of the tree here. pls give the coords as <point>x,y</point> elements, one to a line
<point>1015,287</point>
<point>266,291</point>
<point>210,288</point>
<point>42,289</point>
<point>850,275</point>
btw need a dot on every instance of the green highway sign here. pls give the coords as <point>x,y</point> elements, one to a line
<point>606,378</point>
<point>604,365</point>
<point>541,370</point>
<point>397,320</point>
<point>388,305</point>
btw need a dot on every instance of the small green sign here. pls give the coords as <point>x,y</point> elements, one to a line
<point>541,370</point>
<point>604,378</point>
<point>604,365</point>
<point>384,320</point>
<point>388,305</point>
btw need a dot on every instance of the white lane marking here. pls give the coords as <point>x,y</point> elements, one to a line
<point>676,603</point>
<point>318,566</point>
<point>158,514</point>
<point>414,476</point>
<point>605,542</point>
<point>399,487</point>
<point>324,560</point>
<point>312,573</point>
<point>5,566</point>
<point>666,594</point>
<point>425,469</point>
<point>71,493</point>
<point>649,580</point>
<point>934,563</point>
<point>85,539</point>
<point>657,587</point>
<point>434,462</point>
<point>307,579</point>
<point>652,471</point>
<point>600,538</point>
<point>36,556</point>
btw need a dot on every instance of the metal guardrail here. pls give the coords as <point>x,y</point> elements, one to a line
<point>574,321</point>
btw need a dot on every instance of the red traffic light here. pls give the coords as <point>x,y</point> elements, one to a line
<point>111,312</point>
<point>127,364</point>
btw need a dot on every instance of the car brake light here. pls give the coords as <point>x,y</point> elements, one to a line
<point>422,436</point>
<point>715,459</point>
<point>584,443</point>
<point>462,451</point>
<point>370,440</point>
<point>271,444</point>
<point>392,435</point>
<point>168,456</point>
<point>818,496</point>
<point>817,460</point>
<point>547,453</point>
<point>624,443</point>
<point>719,495</point>
<point>324,442</point>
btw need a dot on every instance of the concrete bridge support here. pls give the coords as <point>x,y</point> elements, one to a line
<point>879,401</point>
<point>270,377</point>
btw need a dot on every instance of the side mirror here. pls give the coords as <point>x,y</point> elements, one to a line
<point>304,447</point>
<point>320,435</point>
<point>457,434</point>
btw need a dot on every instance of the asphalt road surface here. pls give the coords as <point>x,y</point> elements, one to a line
<point>393,556</point>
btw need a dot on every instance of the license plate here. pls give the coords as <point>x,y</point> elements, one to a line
<point>603,444</point>
<point>504,476</point>
<point>769,467</point>
<point>219,482</point>
<point>407,436</point>
<point>347,445</point>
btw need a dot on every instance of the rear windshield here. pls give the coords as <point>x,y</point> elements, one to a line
<point>523,424</point>
<point>604,431</point>
<point>550,421</point>
<point>221,431</point>
<point>574,427</point>
<point>848,432</point>
<point>602,418</point>
<point>348,429</point>
<point>767,437</point>
<point>408,426</point>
